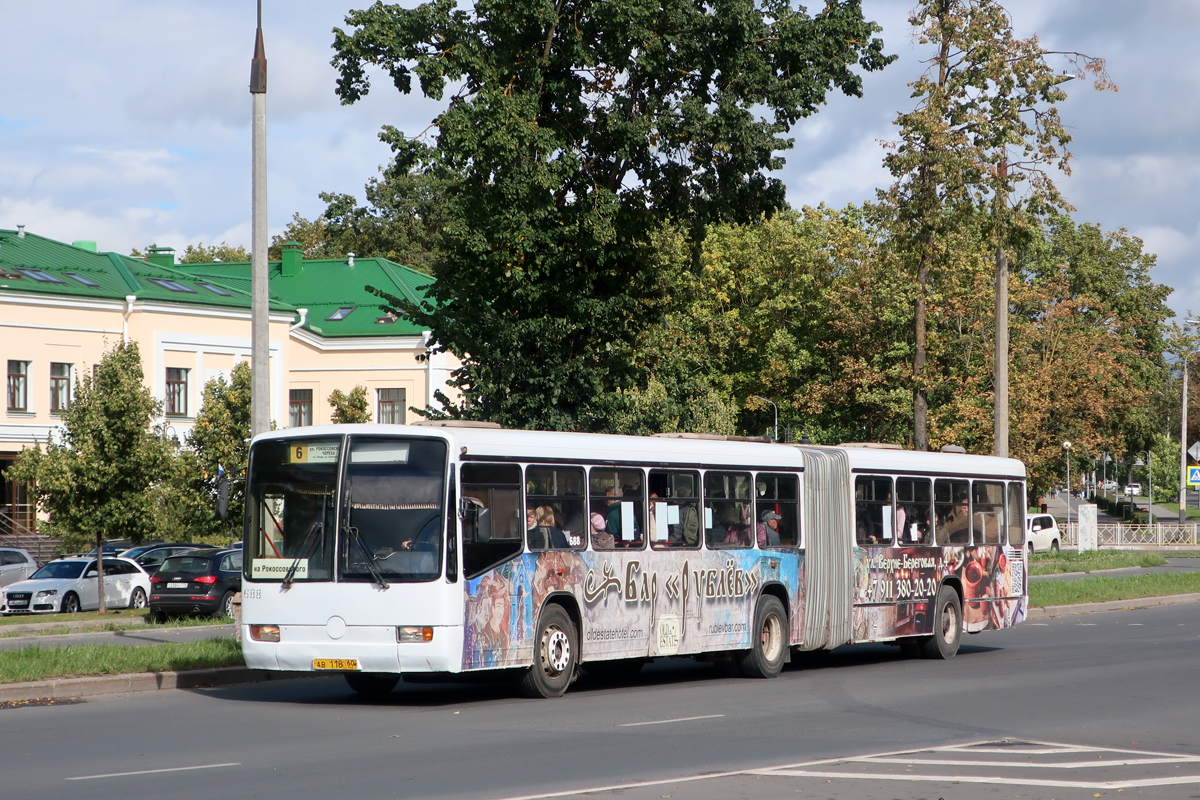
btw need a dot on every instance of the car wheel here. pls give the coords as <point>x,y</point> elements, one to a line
<point>372,684</point>
<point>947,625</point>
<point>138,598</point>
<point>70,603</point>
<point>768,644</point>
<point>1054,546</point>
<point>556,652</point>
<point>226,607</point>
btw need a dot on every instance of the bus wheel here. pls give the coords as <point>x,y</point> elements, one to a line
<point>372,684</point>
<point>768,643</point>
<point>947,625</point>
<point>555,656</point>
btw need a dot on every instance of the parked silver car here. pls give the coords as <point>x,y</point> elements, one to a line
<point>15,565</point>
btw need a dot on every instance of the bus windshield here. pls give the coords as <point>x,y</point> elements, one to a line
<point>385,525</point>
<point>291,505</point>
<point>392,510</point>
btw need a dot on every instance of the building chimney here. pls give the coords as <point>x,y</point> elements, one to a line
<point>291,258</point>
<point>161,256</point>
<point>20,231</point>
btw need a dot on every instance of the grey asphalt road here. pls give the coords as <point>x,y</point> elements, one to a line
<point>1054,708</point>
<point>132,637</point>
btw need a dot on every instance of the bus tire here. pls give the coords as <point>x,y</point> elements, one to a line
<point>947,625</point>
<point>768,642</point>
<point>372,684</point>
<point>555,655</point>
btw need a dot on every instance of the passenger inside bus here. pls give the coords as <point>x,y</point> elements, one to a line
<point>601,538</point>
<point>768,529</point>
<point>955,526</point>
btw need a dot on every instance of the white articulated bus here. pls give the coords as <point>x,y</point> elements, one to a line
<point>380,550</point>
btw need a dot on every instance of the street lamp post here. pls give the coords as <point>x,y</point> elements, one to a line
<point>1067,448</point>
<point>1183,433</point>
<point>765,400</point>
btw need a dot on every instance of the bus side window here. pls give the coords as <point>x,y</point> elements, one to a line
<point>618,500</point>
<point>674,509</point>
<point>778,504</point>
<point>951,505</point>
<point>913,515</point>
<point>987,503</point>
<point>874,522</point>
<point>1016,515</point>
<point>492,523</point>
<point>556,497</point>
<point>728,510</point>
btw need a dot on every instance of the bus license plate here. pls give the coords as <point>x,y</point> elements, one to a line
<point>343,664</point>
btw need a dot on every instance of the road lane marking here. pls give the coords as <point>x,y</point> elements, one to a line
<point>1125,762</point>
<point>665,721</point>
<point>994,779</point>
<point>154,771</point>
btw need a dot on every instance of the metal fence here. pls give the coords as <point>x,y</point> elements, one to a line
<point>1159,535</point>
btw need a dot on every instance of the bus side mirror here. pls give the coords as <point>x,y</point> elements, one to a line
<point>477,521</point>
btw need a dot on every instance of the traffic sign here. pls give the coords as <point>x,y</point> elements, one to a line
<point>1194,451</point>
<point>1193,476</point>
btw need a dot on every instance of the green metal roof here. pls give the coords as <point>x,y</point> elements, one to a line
<point>325,285</point>
<point>35,265</point>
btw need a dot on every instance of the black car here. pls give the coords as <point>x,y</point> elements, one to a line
<point>151,556</point>
<point>196,582</point>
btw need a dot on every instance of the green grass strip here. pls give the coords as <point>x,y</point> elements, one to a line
<point>1100,590</point>
<point>1055,563</point>
<point>114,616</point>
<point>40,663</point>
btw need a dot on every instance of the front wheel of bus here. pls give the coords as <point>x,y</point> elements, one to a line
<point>372,684</point>
<point>768,643</point>
<point>555,656</point>
<point>947,625</point>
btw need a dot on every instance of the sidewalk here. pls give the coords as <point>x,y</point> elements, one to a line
<point>1058,508</point>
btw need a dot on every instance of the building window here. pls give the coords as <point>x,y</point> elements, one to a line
<point>341,313</point>
<point>391,406</point>
<point>18,385</point>
<point>60,387</point>
<point>177,391</point>
<point>174,286</point>
<point>300,407</point>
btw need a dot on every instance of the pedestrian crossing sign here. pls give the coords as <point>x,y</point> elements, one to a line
<point>1193,476</point>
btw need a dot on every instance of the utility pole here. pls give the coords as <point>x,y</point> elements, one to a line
<point>260,396</point>
<point>1000,427</point>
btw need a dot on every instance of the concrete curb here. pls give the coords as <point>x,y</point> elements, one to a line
<point>61,688</point>
<point>81,624</point>
<point>1111,605</point>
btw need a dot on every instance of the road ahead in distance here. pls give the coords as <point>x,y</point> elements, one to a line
<point>1060,708</point>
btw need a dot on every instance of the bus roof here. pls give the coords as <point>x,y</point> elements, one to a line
<point>471,443</point>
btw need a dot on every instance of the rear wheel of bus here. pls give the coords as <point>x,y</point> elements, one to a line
<point>556,649</point>
<point>947,625</point>
<point>768,640</point>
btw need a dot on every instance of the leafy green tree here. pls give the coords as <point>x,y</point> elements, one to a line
<point>985,125</point>
<point>95,482</point>
<point>219,441</point>
<point>200,254</point>
<point>350,408</point>
<point>577,130</point>
<point>401,221</point>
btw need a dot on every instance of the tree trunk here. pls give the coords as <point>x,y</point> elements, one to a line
<point>920,401</point>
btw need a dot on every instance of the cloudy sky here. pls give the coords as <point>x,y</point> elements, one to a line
<point>128,121</point>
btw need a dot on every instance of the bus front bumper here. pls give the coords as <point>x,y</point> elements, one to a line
<point>373,648</point>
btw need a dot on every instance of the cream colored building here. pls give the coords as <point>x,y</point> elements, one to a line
<point>62,306</point>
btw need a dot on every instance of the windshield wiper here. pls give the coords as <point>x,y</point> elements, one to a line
<point>310,542</point>
<point>352,532</point>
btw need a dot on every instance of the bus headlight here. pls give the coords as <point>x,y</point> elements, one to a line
<point>264,633</point>
<point>407,634</point>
